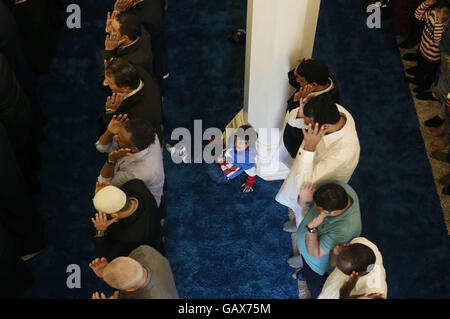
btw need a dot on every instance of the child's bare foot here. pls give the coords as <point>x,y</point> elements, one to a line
<point>439,144</point>
<point>169,148</point>
<point>434,131</point>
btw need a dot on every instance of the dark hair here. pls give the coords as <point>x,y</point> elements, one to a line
<point>314,70</point>
<point>124,73</point>
<point>323,110</point>
<point>358,256</point>
<point>331,197</point>
<point>130,25</point>
<point>142,133</point>
<point>247,128</point>
<point>439,4</point>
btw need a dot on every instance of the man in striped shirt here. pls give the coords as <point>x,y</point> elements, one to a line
<point>435,14</point>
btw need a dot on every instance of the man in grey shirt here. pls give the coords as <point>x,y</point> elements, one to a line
<point>144,274</point>
<point>134,152</point>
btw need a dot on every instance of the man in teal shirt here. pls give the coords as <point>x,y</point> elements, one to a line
<point>333,218</point>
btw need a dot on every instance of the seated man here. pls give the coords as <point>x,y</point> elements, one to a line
<point>330,151</point>
<point>311,78</point>
<point>126,218</point>
<point>333,218</point>
<point>359,271</point>
<point>135,93</point>
<point>128,40</point>
<point>133,152</point>
<point>144,274</point>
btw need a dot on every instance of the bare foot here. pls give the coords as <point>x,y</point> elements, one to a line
<point>169,148</point>
<point>434,131</point>
<point>439,144</point>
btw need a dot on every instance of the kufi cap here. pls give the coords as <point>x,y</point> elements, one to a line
<point>110,199</point>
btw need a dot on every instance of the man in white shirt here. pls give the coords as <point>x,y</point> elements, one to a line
<point>330,151</point>
<point>133,151</point>
<point>359,272</point>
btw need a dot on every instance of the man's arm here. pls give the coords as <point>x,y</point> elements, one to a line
<point>312,239</point>
<point>108,168</point>
<point>106,138</point>
<point>313,245</point>
<point>105,143</point>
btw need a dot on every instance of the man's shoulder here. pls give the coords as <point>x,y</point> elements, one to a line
<point>146,255</point>
<point>134,186</point>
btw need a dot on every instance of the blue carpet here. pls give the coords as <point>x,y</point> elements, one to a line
<point>222,243</point>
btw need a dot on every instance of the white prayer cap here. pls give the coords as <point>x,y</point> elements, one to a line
<point>110,200</point>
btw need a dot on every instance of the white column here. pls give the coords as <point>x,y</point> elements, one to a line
<point>279,33</point>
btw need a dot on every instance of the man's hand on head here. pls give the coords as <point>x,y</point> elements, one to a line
<point>347,287</point>
<point>100,185</point>
<point>313,136</point>
<point>303,92</point>
<point>317,221</point>
<point>101,222</point>
<point>109,18</point>
<point>114,101</point>
<point>306,194</point>
<point>98,265</point>
<point>116,123</point>
<point>339,248</point>
<point>112,41</point>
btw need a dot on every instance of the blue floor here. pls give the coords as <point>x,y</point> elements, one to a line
<point>222,243</point>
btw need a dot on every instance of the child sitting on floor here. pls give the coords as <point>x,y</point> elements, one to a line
<point>237,157</point>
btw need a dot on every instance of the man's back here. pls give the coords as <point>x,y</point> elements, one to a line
<point>141,227</point>
<point>160,283</point>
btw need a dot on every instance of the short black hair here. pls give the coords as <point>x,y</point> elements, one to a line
<point>358,256</point>
<point>314,71</point>
<point>331,197</point>
<point>322,109</point>
<point>142,133</point>
<point>124,73</point>
<point>130,25</point>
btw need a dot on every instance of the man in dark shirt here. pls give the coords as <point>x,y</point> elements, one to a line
<point>311,78</point>
<point>18,214</point>
<point>127,39</point>
<point>136,94</point>
<point>137,222</point>
<point>151,14</point>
